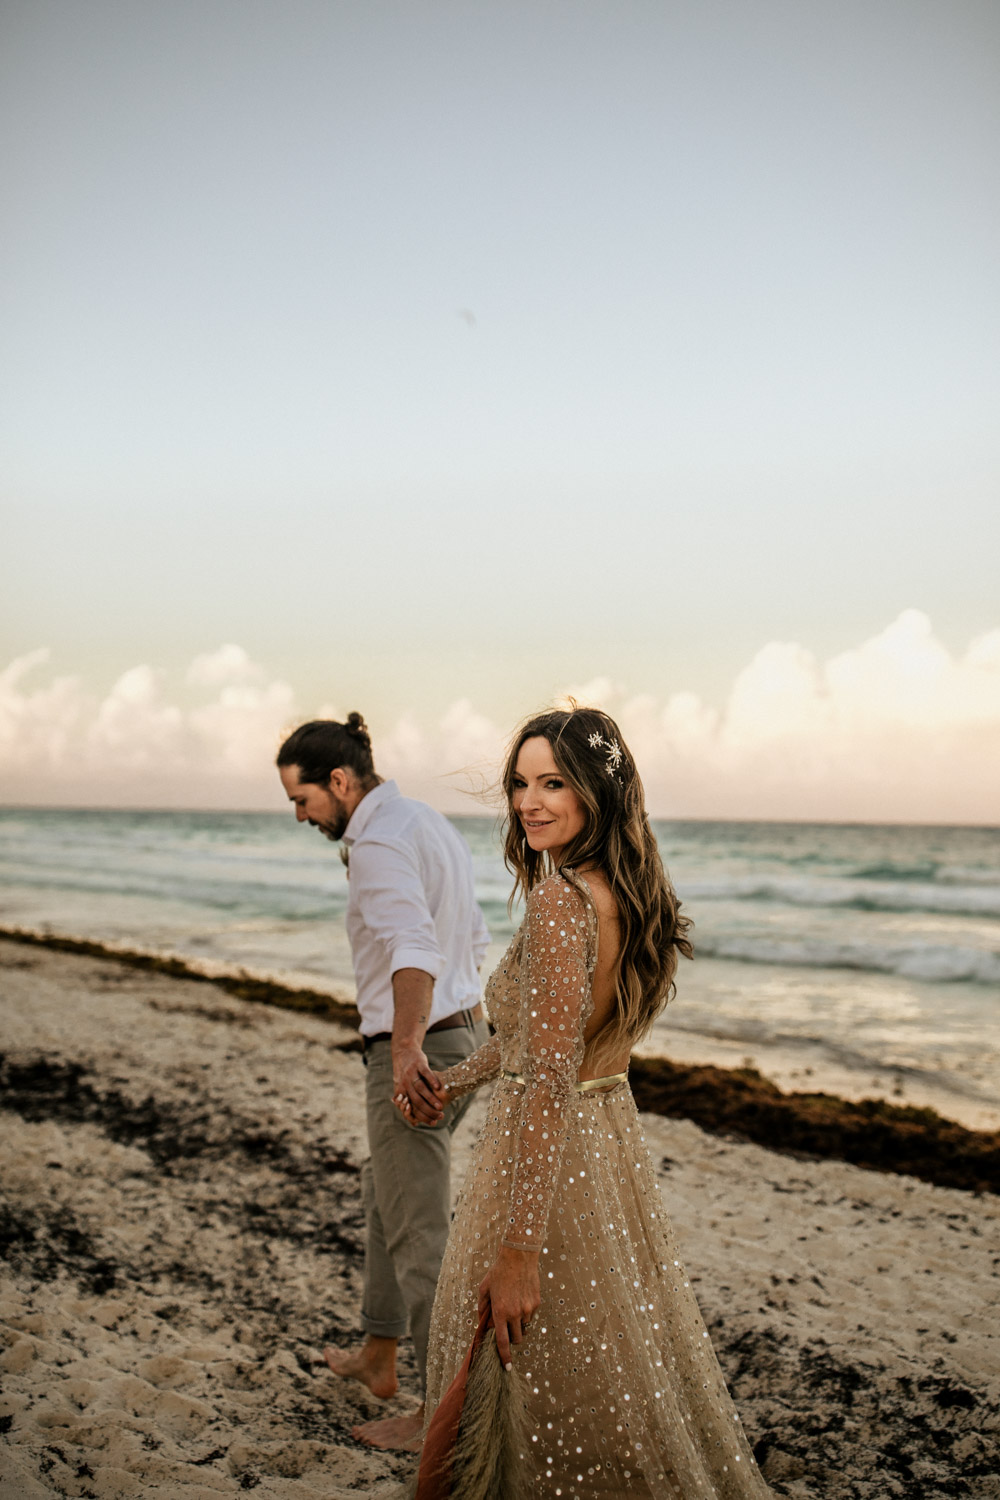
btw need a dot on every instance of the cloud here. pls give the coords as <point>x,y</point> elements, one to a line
<point>454,764</point>
<point>223,668</point>
<point>135,746</point>
<point>240,731</point>
<point>37,729</point>
<point>133,729</point>
<point>895,729</point>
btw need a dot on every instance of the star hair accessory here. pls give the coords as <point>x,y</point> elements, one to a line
<point>612,749</point>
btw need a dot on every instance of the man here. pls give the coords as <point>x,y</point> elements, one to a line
<point>417,939</point>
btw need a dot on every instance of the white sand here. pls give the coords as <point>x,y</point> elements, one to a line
<point>182,1228</point>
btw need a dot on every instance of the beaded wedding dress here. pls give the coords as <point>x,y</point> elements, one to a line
<point>625,1395</point>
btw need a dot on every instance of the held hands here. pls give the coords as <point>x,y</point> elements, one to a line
<point>416,1090</point>
<point>510,1289</point>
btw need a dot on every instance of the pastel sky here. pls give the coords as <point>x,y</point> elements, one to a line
<point>437,359</point>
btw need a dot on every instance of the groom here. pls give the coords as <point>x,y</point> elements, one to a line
<point>417,939</point>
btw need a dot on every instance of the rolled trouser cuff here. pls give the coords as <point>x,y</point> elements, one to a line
<point>383,1330</point>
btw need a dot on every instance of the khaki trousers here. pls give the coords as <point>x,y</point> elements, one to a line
<point>406,1195</point>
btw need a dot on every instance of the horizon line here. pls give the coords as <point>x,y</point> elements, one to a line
<point>267,812</point>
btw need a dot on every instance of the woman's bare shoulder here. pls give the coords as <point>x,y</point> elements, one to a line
<point>601,893</point>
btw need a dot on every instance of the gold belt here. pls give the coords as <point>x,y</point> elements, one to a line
<point>586,1086</point>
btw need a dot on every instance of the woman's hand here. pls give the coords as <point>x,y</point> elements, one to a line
<point>510,1289</point>
<point>424,1105</point>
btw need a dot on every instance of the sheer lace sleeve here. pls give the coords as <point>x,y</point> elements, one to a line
<point>556,1001</point>
<point>473,1071</point>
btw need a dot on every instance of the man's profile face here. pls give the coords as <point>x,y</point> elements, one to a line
<point>320,806</point>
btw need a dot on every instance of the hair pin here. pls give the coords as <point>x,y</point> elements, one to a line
<point>596,741</point>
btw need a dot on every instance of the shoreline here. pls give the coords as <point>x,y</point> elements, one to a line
<point>738,1103</point>
<point>241,983</point>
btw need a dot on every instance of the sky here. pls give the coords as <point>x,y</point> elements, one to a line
<point>439,360</point>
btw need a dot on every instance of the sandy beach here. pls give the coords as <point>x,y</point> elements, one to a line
<point>182,1232</point>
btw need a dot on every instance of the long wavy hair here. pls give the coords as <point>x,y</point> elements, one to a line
<point>592,758</point>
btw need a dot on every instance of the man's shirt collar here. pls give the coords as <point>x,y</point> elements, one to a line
<point>366,809</point>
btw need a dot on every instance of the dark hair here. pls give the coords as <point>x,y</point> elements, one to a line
<point>320,746</point>
<point>592,757</point>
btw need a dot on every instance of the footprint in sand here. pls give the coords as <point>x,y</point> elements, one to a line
<point>166,1371</point>
<point>18,1357</point>
<point>176,1415</point>
<point>296,1460</point>
<point>82,1393</point>
<point>205,1354</point>
<point>250,1380</point>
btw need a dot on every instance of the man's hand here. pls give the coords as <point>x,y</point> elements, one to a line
<point>416,1091</point>
<point>415,1082</point>
<point>510,1289</point>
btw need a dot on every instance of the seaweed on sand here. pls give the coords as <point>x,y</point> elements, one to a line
<point>870,1133</point>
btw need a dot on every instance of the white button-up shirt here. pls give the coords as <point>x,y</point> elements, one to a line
<point>410,905</point>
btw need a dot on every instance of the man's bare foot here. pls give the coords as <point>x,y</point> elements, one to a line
<point>393,1432</point>
<point>374,1364</point>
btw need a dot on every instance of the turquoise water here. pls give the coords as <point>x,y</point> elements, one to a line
<point>872,949</point>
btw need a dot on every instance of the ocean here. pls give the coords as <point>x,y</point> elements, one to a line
<point>860,959</point>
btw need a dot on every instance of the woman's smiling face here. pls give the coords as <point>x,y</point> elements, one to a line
<point>548,810</point>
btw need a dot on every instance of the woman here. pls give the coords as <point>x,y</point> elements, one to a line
<point>559,1231</point>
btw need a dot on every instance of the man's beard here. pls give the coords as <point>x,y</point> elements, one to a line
<point>336,827</point>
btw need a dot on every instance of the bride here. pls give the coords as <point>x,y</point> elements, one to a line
<point>560,1233</point>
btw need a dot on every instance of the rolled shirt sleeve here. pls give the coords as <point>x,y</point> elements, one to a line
<point>386,880</point>
<point>411,905</point>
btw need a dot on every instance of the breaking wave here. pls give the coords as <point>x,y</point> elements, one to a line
<point>856,895</point>
<point>938,962</point>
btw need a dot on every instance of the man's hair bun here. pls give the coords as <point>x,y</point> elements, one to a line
<point>357,727</point>
<point>318,747</point>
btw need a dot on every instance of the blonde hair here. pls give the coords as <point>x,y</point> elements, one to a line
<point>593,759</point>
